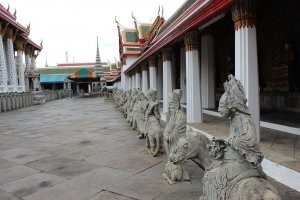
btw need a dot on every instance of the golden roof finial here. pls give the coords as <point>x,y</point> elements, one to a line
<point>162,11</point>
<point>8,7</point>
<point>41,44</point>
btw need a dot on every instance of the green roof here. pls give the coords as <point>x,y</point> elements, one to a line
<point>52,78</point>
<point>106,69</point>
<point>59,70</point>
<point>131,37</point>
<point>113,66</point>
<point>145,29</point>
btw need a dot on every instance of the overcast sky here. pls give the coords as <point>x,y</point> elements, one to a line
<point>73,25</point>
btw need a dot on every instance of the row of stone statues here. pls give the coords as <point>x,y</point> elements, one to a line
<point>142,113</point>
<point>13,100</point>
<point>232,165</point>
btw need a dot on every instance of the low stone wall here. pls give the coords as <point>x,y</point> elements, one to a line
<point>13,100</point>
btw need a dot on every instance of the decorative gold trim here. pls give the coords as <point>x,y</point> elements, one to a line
<point>3,28</point>
<point>152,61</point>
<point>166,54</point>
<point>243,14</point>
<point>191,40</point>
<point>20,45</point>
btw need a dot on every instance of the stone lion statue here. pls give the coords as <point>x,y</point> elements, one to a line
<point>175,129</point>
<point>152,126</point>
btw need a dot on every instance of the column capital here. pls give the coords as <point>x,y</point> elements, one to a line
<point>152,61</point>
<point>12,33</point>
<point>167,54</point>
<point>191,40</point>
<point>144,65</point>
<point>29,50</point>
<point>3,28</point>
<point>243,14</point>
<point>20,44</point>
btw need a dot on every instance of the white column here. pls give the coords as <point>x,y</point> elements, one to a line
<point>167,77</point>
<point>145,85</point>
<point>36,82</point>
<point>159,78</point>
<point>207,71</point>
<point>89,88</point>
<point>138,79</point>
<point>152,73</point>
<point>194,105</point>
<point>3,67</point>
<point>183,74</point>
<point>27,65</point>
<point>11,65</point>
<point>21,69</point>
<point>129,82</point>
<point>173,61</point>
<point>27,60</point>
<point>123,81</point>
<point>20,64</point>
<point>246,65</point>
<point>133,81</point>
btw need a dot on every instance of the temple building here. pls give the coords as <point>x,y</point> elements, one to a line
<point>80,77</point>
<point>16,46</point>
<point>60,76</point>
<point>206,40</point>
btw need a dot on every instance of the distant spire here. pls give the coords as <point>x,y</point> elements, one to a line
<point>98,67</point>
<point>46,65</point>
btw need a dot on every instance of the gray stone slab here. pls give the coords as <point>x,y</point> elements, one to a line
<point>51,163</point>
<point>75,169</point>
<point>31,184</point>
<point>105,195</point>
<point>155,171</point>
<point>7,196</point>
<point>136,163</point>
<point>22,155</point>
<point>105,158</point>
<point>14,173</point>
<point>176,192</point>
<point>83,186</point>
<point>141,187</point>
<point>6,164</point>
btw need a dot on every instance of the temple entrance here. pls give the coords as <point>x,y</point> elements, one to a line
<point>279,60</point>
<point>84,79</point>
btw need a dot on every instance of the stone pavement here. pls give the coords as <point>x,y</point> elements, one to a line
<point>82,148</point>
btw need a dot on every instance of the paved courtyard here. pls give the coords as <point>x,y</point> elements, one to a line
<point>73,149</point>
